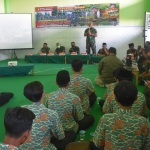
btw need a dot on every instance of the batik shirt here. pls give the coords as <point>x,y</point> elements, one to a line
<point>45,125</point>
<point>138,107</point>
<point>68,107</point>
<point>90,39</point>
<point>123,131</point>
<point>7,147</point>
<point>110,89</point>
<point>81,87</point>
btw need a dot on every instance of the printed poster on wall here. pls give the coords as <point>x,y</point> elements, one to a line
<point>77,15</point>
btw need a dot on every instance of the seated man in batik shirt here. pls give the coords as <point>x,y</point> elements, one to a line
<point>47,131</point>
<point>81,86</point>
<point>68,105</point>
<point>110,104</point>
<point>18,123</point>
<point>123,129</point>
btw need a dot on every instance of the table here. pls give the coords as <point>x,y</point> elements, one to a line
<point>96,59</point>
<point>84,58</point>
<point>58,59</point>
<point>136,73</point>
<point>35,58</point>
<point>19,70</point>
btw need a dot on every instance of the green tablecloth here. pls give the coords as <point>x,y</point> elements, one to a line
<point>19,70</point>
<point>36,58</point>
<point>59,59</point>
<point>96,59</point>
<point>84,58</point>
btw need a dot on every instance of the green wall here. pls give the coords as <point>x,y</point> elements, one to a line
<point>131,11</point>
<point>147,5</point>
<point>1,6</point>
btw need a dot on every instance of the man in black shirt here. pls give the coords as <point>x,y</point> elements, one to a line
<point>132,51</point>
<point>59,49</point>
<point>74,48</point>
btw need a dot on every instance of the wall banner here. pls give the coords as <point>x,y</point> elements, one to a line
<point>77,15</point>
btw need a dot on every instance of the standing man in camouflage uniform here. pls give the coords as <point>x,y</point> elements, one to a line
<point>90,34</point>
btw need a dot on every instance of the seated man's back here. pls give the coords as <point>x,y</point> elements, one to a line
<point>122,130</point>
<point>110,104</point>
<point>106,67</point>
<point>81,87</point>
<point>67,106</point>
<point>45,125</point>
<point>138,107</point>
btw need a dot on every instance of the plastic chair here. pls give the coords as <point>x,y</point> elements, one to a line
<point>78,145</point>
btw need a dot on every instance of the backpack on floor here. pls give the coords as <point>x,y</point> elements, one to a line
<point>5,97</point>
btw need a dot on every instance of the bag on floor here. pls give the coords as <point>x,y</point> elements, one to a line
<point>5,97</point>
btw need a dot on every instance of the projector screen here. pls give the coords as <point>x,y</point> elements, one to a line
<point>15,31</point>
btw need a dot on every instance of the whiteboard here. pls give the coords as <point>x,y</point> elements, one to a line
<point>15,31</point>
<point>147,26</point>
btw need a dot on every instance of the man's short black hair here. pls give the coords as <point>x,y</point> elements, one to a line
<point>77,64</point>
<point>126,93</point>
<point>116,71</point>
<point>63,78</point>
<point>17,121</point>
<point>112,50</point>
<point>45,43</point>
<point>72,42</point>
<point>33,91</point>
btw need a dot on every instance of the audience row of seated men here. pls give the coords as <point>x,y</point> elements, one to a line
<point>101,52</point>
<point>123,128</point>
<point>59,49</point>
<point>56,126</point>
<point>109,105</point>
<point>66,113</point>
<point>74,49</point>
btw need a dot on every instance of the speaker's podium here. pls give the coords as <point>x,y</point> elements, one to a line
<point>13,69</point>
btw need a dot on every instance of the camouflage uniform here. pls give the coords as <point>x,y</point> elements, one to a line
<point>90,41</point>
<point>45,50</point>
<point>60,50</point>
<point>74,49</point>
